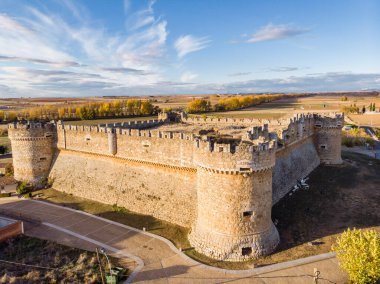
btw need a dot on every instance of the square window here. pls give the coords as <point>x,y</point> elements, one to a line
<point>247,215</point>
<point>246,251</point>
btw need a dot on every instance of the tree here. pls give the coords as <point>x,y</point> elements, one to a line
<point>9,170</point>
<point>146,108</point>
<point>363,109</point>
<point>358,253</point>
<point>373,107</point>
<point>198,105</point>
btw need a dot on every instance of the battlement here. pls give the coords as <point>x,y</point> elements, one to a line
<point>245,121</point>
<point>234,156</point>
<point>143,124</point>
<point>32,130</point>
<point>136,132</point>
<point>30,125</point>
<point>331,120</point>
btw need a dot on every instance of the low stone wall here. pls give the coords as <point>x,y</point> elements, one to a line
<point>293,163</point>
<point>168,193</point>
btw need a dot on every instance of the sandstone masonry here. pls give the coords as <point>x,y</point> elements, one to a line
<point>218,176</point>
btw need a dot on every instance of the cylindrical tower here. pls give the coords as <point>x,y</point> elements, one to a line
<point>328,138</point>
<point>234,187</point>
<point>33,147</point>
<point>112,141</point>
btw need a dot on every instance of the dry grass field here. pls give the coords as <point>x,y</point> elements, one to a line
<point>286,107</point>
<point>61,264</point>
<point>319,103</point>
<point>367,120</point>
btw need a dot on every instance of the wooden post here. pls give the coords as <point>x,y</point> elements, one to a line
<point>100,266</point>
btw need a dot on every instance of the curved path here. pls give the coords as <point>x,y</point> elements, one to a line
<point>156,259</point>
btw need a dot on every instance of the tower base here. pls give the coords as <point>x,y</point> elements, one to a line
<point>234,248</point>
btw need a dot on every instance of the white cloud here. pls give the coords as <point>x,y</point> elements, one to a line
<point>188,77</point>
<point>188,43</point>
<point>275,32</point>
<point>239,74</point>
<point>78,48</point>
<point>141,18</point>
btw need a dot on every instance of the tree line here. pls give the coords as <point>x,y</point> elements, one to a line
<point>354,109</point>
<point>232,103</point>
<point>117,108</point>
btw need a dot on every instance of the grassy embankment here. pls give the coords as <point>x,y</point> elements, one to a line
<point>56,263</point>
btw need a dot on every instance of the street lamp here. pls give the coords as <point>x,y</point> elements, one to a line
<point>103,251</point>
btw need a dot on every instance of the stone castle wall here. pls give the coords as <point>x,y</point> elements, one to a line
<point>224,188</point>
<point>167,193</point>
<point>174,149</point>
<point>292,163</point>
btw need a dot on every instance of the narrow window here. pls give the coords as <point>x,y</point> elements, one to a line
<point>323,146</point>
<point>220,149</point>
<point>88,139</point>
<point>318,125</point>
<point>246,251</point>
<point>43,159</point>
<point>245,169</point>
<point>247,215</point>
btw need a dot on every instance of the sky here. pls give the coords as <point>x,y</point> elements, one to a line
<point>68,48</point>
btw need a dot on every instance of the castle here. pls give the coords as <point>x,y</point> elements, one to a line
<point>218,176</point>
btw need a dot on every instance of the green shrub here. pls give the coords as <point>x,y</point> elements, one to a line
<point>116,208</point>
<point>23,188</point>
<point>8,194</point>
<point>358,253</point>
<point>9,170</point>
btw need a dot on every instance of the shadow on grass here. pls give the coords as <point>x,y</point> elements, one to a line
<point>339,197</point>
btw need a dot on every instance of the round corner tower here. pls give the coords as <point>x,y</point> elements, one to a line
<point>328,138</point>
<point>33,147</point>
<point>234,192</point>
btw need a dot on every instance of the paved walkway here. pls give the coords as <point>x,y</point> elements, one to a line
<point>156,259</point>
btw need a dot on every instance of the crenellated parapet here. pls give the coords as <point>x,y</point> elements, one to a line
<point>296,129</point>
<point>330,120</point>
<point>143,124</point>
<point>235,156</point>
